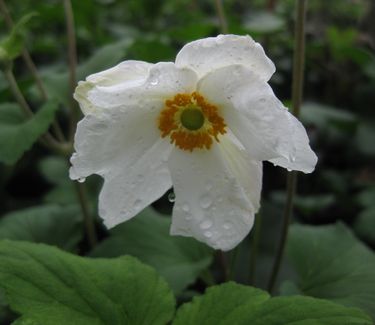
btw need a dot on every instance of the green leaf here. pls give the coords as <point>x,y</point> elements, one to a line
<point>333,264</point>
<point>12,45</point>
<point>56,171</point>
<point>57,84</point>
<point>18,134</point>
<point>232,303</point>
<point>49,224</point>
<point>51,287</point>
<point>364,225</point>
<point>179,260</point>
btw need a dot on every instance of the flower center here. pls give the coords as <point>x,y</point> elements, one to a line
<point>192,119</point>
<point>191,122</point>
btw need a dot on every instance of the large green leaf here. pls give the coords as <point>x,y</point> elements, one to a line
<point>333,264</point>
<point>18,134</point>
<point>232,303</point>
<point>49,224</point>
<point>52,287</point>
<point>179,260</point>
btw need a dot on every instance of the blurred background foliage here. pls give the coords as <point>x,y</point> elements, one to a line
<point>38,201</point>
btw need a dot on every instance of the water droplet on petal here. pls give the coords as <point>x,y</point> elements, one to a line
<point>208,234</point>
<point>209,186</point>
<point>137,204</point>
<point>205,224</point>
<point>227,225</point>
<point>171,197</point>
<point>205,202</point>
<point>81,180</point>
<point>154,82</point>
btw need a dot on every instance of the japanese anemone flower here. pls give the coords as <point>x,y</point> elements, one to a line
<point>202,124</point>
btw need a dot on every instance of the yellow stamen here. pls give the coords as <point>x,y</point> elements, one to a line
<point>191,122</point>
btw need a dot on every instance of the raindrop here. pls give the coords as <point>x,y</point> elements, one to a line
<point>81,180</point>
<point>205,202</point>
<point>206,224</point>
<point>227,225</point>
<point>154,82</point>
<point>185,207</point>
<point>209,186</point>
<point>137,204</point>
<point>208,234</point>
<point>171,197</point>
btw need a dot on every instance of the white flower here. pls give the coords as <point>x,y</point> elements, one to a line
<point>202,124</point>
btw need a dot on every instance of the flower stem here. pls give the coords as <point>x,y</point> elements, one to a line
<point>88,222</point>
<point>32,68</point>
<point>232,266</point>
<point>47,139</point>
<point>254,248</point>
<point>221,14</point>
<point>72,58</point>
<point>297,88</point>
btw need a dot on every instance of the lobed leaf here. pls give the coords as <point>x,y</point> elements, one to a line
<point>179,260</point>
<point>232,303</point>
<point>334,265</point>
<point>52,287</point>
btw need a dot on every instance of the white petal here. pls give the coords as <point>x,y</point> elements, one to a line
<point>131,188</point>
<point>213,53</point>
<point>258,119</point>
<point>211,204</point>
<point>248,172</point>
<point>119,135</point>
<point>128,73</point>
<point>163,81</point>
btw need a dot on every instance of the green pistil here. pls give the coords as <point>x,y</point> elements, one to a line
<point>192,119</point>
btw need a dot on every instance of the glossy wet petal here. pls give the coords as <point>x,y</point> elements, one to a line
<point>208,54</point>
<point>258,119</point>
<point>128,73</point>
<point>119,135</point>
<point>128,189</point>
<point>211,204</point>
<point>163,81</point>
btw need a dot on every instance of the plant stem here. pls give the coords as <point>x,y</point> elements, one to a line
<point>221,14</point>
<point>47,139</point>
<point>297,88</point>
<point>254,248</point>
<point>88,222</point>
<point>74,116</point>
<point>32,68</point>
<point>223,263</point>
<point>72,58</point>
<point>232,266</point>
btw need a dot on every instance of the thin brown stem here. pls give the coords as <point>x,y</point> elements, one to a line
<point>32,68</point>
<point>47,139</point>
<point>72,58</point>
<point>297,92</point>
<point>88,221</point>
<point>254,248</point>
<point>221,15</point>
